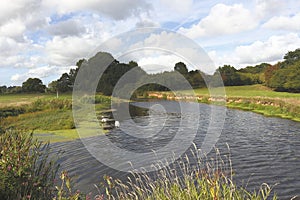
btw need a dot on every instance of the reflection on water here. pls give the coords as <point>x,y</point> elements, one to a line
<point>262,149</point>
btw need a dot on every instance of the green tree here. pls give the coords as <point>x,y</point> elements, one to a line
<point>33,85</point>
<point>3,89</point>
<point>229,75</point>
<point>269,72</point>
<point>64,83</point>
<point>181,68</point>
<point>286,79</point>
<point>291,57</point>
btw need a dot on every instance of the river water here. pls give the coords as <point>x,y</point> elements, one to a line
<point>263,149</point>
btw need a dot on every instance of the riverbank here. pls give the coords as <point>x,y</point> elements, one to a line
<point>255,98</point>
<point>48,117</point>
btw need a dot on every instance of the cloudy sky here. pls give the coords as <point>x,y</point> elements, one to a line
<point>44,38</point>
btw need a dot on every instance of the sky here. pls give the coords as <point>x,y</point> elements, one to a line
<point>45,38</point>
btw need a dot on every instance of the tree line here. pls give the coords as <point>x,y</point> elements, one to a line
<point>282,76</point>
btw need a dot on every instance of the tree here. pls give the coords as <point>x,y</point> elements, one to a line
<point>291,57</point>
<point>286,79</point>
<point>269,72</point>
<point>3,89</point>
<point>64,83</point>
<point>229,75</point>
<point>33,85</point>
<point>181,68</point>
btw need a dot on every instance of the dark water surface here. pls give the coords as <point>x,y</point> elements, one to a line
<point>263,149</point>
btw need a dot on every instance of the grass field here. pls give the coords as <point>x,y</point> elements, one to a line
<point>248,91</point>
<point>22,99</point>
<point>256,98</point>
<point>50,118</point>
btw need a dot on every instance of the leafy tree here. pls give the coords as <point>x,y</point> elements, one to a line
<point>3,89</point>
<point>286,79</point>
<point>181,68</point>
<point>195,78</point>
<point>291,57</point>
<point>64,83</point>
<point>256,69</point>
<point>269,72</point>
<point>229,75</point>
<point>33,85</point>
<point>52,87</point>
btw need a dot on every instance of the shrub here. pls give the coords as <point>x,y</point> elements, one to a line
<point>26,170</point>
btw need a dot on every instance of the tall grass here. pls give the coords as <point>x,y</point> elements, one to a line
<point>188,178</point>
<point>26,170</point>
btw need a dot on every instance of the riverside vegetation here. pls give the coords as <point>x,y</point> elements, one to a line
<point>256,98</point>
<point>27,172</point>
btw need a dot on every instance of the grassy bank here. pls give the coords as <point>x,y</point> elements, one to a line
<point>256,98</point>
<point>51,118</point>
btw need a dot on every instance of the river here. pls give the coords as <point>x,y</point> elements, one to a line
<point>263,149</point>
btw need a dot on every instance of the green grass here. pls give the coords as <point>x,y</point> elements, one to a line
<point>248,91</point>
<point>256,98</point>
<point>49,117</point>
<point>21,99</point>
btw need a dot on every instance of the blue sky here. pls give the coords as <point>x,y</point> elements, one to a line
<point>45,38</point>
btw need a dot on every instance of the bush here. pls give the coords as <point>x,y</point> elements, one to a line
<point>26,170</point>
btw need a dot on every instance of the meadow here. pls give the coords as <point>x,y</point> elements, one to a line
<point>256,98</point>
<point>50,118</point>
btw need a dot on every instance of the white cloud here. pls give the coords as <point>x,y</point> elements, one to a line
<point>284,23</point>
<point>15,9</point>
<point>223,19</point>
<point>267,51</point>
<point>13,29</point>
<point>116,9</point>
<point>178,6</point>
<point>68,50</point>
<point>170,45</point>
<point>159,63</point>
<point>40,72</point>
<point>267,8</point>
<point>67,28</point>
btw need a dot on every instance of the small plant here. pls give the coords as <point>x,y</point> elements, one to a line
<point>26,171</point>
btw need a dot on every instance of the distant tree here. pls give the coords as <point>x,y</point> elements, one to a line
<point>132,64</point>
<point>33,85</point>
<point>256,69</point>
<point>291,57</point>
<point>195,78</point>
<point>64,83</point>
<point>181,68</point>
<point>270,71</point>
<point>14,89</point>
<point>229,75</point>
<point>286,79</point>
<point>52,87</point>
<point>3,89</point>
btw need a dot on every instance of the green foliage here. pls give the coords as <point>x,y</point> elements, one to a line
<point>33,85</point>
<point>26,171</point>
<point>286,79</point>
<point>64,191</point>
<point>229,75</point>
<point>256,69</point>
<point>181,68</point>
<point>291,57</point>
